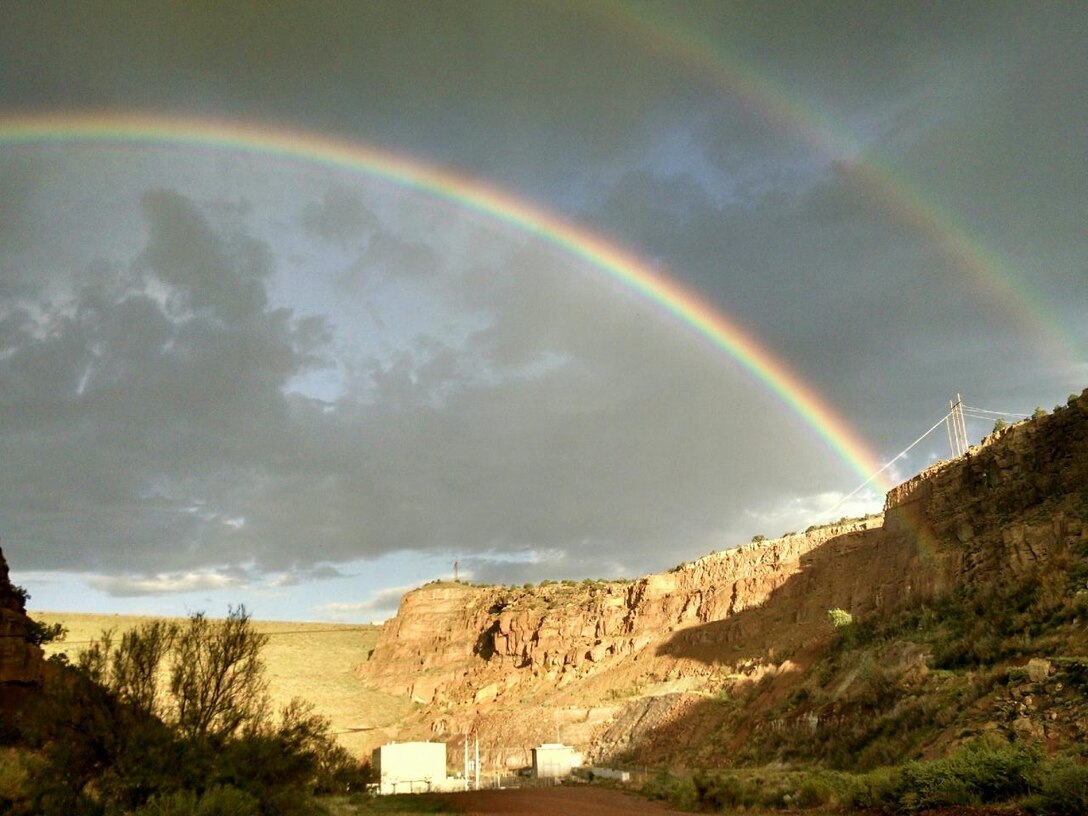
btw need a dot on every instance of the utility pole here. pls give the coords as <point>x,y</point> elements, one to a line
<point>957,428</point>
<point>456,579</point>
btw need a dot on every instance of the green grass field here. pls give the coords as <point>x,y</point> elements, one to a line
<point>314,661</point>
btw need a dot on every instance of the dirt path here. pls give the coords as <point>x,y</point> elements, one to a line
<point>563,801</point>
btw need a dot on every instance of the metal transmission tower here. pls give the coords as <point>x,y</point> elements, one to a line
<point>956,427</point>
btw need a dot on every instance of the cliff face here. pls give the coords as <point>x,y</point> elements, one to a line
<point>450,642</point>
<point>21,663</point>
<point>610,663</point>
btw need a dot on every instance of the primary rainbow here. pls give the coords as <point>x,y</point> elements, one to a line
<point>622,266</point>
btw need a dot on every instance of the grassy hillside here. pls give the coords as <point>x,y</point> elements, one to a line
<point>314,661</point>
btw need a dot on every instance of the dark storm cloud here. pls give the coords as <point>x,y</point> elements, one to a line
<point>495,400</point>
<point>129,417</point>
<point>152,432</point>
<point>503,79</point>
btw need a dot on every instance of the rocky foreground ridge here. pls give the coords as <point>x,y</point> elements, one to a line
<point>632,669</point>
<point>22,664</point>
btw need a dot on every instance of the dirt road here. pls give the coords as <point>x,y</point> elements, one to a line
<point>563,801</point>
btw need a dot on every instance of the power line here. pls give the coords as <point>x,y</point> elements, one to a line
<point>891,462</point>
<point>331,630</point>
<point>995,413</point>
<point>957,437</point>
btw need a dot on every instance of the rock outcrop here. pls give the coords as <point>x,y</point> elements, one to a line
<point>22,664</point>
<point>452,642</point>
<point>602,660</point>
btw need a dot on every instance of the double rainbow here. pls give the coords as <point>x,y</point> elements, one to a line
<point>666,293</point>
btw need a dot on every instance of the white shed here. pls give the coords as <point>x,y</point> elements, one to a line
<point>553,760</point>
<point>410,767</point>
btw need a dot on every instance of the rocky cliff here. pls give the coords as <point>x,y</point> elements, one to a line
<point>21,662</point>
<point>454,643</point>
<point>610,664</point>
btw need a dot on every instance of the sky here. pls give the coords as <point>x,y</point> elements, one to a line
<point>339,294</point>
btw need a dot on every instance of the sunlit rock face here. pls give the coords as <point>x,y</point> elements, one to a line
<point>21,662</point>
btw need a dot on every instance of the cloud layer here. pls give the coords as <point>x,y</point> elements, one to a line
<point>218,364</point>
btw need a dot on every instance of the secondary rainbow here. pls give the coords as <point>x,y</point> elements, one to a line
<point>991,275</point>
<point>630,271</point>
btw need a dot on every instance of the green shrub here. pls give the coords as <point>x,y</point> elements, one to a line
<point>980,772</point>
<point>875,789</point>
<point>1063,789</point>
<point>220,800</point>
<point>227,801</point>
<point>678,791</point>
<point>720,791</point>
<point>840,618</point>
<point>16,770</point>
<point>824,788</point>
<point>175,803</point>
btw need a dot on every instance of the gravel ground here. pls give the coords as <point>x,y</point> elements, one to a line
<point>561,801</point>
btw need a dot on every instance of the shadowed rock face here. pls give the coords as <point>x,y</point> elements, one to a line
<point>22,664</point>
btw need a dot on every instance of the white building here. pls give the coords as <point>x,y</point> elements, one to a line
<point>553,760</point>
<point>410,767</point>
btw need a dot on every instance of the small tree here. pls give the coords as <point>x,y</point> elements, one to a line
<point>136,665</point>
<point>37,633</point>
<point>217,677</point>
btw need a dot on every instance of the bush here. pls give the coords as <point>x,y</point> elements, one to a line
<point>110,742</point>
<point>676,790</point>
<point>826,788</point>
<point>216,801</point>
<point>16,770</point>
<point>978,773</point>
<point>176,803</point>
<point>840,618</point>
<point>1063,790</point>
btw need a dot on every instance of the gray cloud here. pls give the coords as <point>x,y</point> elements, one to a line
<point>340,217</point>
<point>162,584</point>
<point>213,361</point>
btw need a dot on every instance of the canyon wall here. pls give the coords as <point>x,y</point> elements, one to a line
<point>603,662</point>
